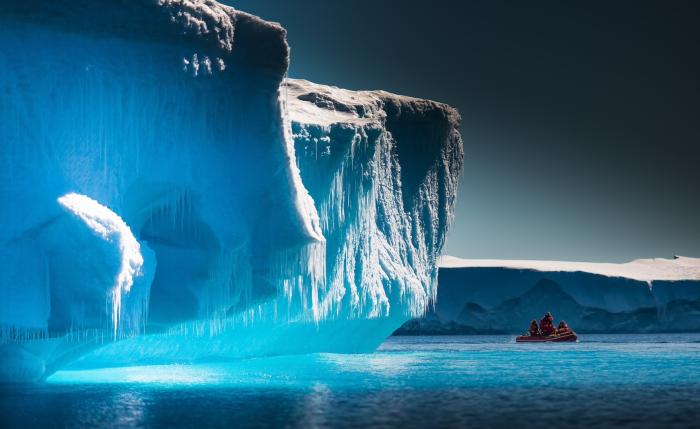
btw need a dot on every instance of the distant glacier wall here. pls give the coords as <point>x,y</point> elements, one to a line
<point>647,295</point>
<point>168,195</point>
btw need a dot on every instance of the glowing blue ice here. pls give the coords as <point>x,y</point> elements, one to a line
<point>210,229</point>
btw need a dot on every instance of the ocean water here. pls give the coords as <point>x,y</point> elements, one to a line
<point>410,382</point>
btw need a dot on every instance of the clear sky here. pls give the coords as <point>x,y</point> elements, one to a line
<point>581,120</point>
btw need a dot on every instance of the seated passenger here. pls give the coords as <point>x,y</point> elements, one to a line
<point>563,327</point>
<point>547,324</point>
<point>534,330</point>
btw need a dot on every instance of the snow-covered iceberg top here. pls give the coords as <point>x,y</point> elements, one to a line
<point>647,270</point>
<point>312,103</point>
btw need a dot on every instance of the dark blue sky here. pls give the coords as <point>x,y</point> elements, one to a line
<point>581,120</point>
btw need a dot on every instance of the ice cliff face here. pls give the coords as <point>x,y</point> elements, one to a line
<point>167,196</point>
<point>382,170</point>
<point>645,295</point>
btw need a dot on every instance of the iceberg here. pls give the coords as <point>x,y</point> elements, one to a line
<point>169,195</point>
<point>501,296</point>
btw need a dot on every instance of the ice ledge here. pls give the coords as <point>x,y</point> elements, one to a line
<point>646,270</point>
<point>314,104</point>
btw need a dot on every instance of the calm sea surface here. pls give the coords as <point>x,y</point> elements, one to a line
<point>474,381</point>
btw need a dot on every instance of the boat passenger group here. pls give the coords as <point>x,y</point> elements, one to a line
<point>546,327</point>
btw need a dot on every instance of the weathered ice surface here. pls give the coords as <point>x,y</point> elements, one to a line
<point>167,195</point>
<point>489,296</point>
<point>383,172</point>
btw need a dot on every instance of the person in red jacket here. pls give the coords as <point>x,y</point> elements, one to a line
<point>547,324</point>
<point>563,328</point>
<point>534,329</point>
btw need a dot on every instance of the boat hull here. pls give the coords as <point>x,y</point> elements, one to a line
<point>568,337</point>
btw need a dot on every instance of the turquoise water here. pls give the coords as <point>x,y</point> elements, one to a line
<point>473,381</point>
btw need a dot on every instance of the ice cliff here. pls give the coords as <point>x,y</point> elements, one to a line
<point>496,296</point>
<point>168,195</point>
<point>382,170</point>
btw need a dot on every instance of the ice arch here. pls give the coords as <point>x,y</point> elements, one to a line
<point>110,227</point>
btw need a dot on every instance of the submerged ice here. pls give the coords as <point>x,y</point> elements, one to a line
<point>167,195</point>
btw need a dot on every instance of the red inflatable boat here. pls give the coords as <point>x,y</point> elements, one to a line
<point>565,337</point>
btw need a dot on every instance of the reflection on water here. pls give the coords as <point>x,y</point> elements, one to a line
<point>314,407</point>
<point>639,381</point>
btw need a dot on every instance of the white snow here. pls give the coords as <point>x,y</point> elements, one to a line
<point>646,270</point>
<point>112,228</point>
<point>334,105</point>
<point>203,17</point>
<point>306,112</point>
